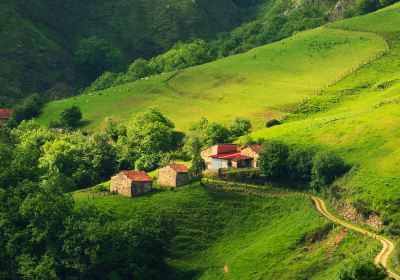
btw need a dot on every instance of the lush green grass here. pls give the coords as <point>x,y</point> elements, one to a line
<point>258,85</point>
<point>257,233</point>
<point>358,118</point>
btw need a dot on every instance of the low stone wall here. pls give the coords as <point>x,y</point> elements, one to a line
<point>348,211</point>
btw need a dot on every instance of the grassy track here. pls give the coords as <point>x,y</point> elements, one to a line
<point>259,85</point>
<point>259,233</point>
<point>388,247</point>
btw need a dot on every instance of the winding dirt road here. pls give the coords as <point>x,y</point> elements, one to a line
<point>383,257</point>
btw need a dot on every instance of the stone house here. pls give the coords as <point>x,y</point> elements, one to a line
<point>5,115</point>
<point>173,175</point>
<point>131,183</point>
<point>230,156</point>
<point>253,151</point>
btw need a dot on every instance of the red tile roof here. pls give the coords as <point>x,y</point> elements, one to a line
<point>256,148</point>
<point>240,157</point>
<point>226,156</point>
<point>226,148</point>
<point>5,114</point>
<point>179,168</point>
<point>137,176</point>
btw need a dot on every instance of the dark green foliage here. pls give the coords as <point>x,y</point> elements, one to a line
<point>240,127</point>
<point>95,55</point>
<point>272,123</point>
<point>361,270</point>
<point>27,108</point>
<point>198,164</point>
<point>300,163</point>
<point>43,236</point>
<point>327,167</point>
<point>71,117</point>
<point>273,159</point>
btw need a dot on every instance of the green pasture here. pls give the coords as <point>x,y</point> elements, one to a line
<point>260,84</point>
<point>258,233</point>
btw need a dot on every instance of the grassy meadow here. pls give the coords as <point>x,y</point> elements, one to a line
<point>358,118</point>
<point>259,233</point>
<point>260,84</point>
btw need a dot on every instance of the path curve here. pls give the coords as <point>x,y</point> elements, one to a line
<point>383,257</point>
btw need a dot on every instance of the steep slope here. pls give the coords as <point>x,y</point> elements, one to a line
<point>258,233</point>
<point>358,118</point>
<point>259,84</point>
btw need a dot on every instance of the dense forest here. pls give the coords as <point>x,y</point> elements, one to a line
<point>58,48</point>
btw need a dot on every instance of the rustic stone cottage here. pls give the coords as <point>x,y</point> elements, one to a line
<point>173,175</point>
<point>253,151</point>
<point>5,115</point>
<point>230,156</point>
<point>131,183</point>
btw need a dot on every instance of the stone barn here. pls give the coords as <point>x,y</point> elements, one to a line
<point>131,183</point>
<point>252,151</point>
<point>173,175</point>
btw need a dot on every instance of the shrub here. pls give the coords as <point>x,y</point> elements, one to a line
<point>300,163</point>
<point>327,167</point>
<point>272,123</point>
<point>273,159</point>
<point>71,117</point>
<point>361,270</point>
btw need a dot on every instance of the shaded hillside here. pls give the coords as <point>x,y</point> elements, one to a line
<point>58,47</point>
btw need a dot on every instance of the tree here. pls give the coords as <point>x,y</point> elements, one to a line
<point>215,133</point>
<point>198,164</point>
<point>300,163</point>
<point>94,55</point>
<point>28,108</point>
<point>71,116</point>
<point>273,159</point>
<point>361,270</point>
<point>327,167</point>
<point>240,127</point>
<point>150,132</point>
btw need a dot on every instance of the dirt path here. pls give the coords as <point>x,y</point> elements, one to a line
<point>383,257</point>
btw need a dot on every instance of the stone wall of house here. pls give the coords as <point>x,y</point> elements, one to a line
<point>139,188</point>
<point>167,177</point>
<point>121,184</point>
<point>348,211</point>
<point>250,153</point>
<point>205,155</point>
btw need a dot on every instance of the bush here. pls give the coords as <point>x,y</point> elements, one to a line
<point>300,163</point>
<point>327,167</point>
<point>361,270</point>
<point>28,108</point>
<point>71,117</point>
<point>240,127</point>
<point>272,123</point>
<point>273,159</point>
<point>147,162</point>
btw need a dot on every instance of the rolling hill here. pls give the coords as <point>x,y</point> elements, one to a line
<point>258,85</point>
<point>260,233</point>
<point>358,118</point>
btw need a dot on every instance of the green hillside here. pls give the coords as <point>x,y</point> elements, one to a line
<point>358,118</point>
<point>259,84</point>
<point>257,233</point>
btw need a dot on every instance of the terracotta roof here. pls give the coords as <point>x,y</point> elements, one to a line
<point>180,168</point>
<point>257,148</point>
<point>240,157</point>
<point>5,113</point>
<point>226,156</point>
<point>137,176</point>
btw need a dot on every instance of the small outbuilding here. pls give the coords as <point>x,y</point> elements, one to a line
<point>131,183</point>
<point>173,175</point>
<point>5,115</point>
